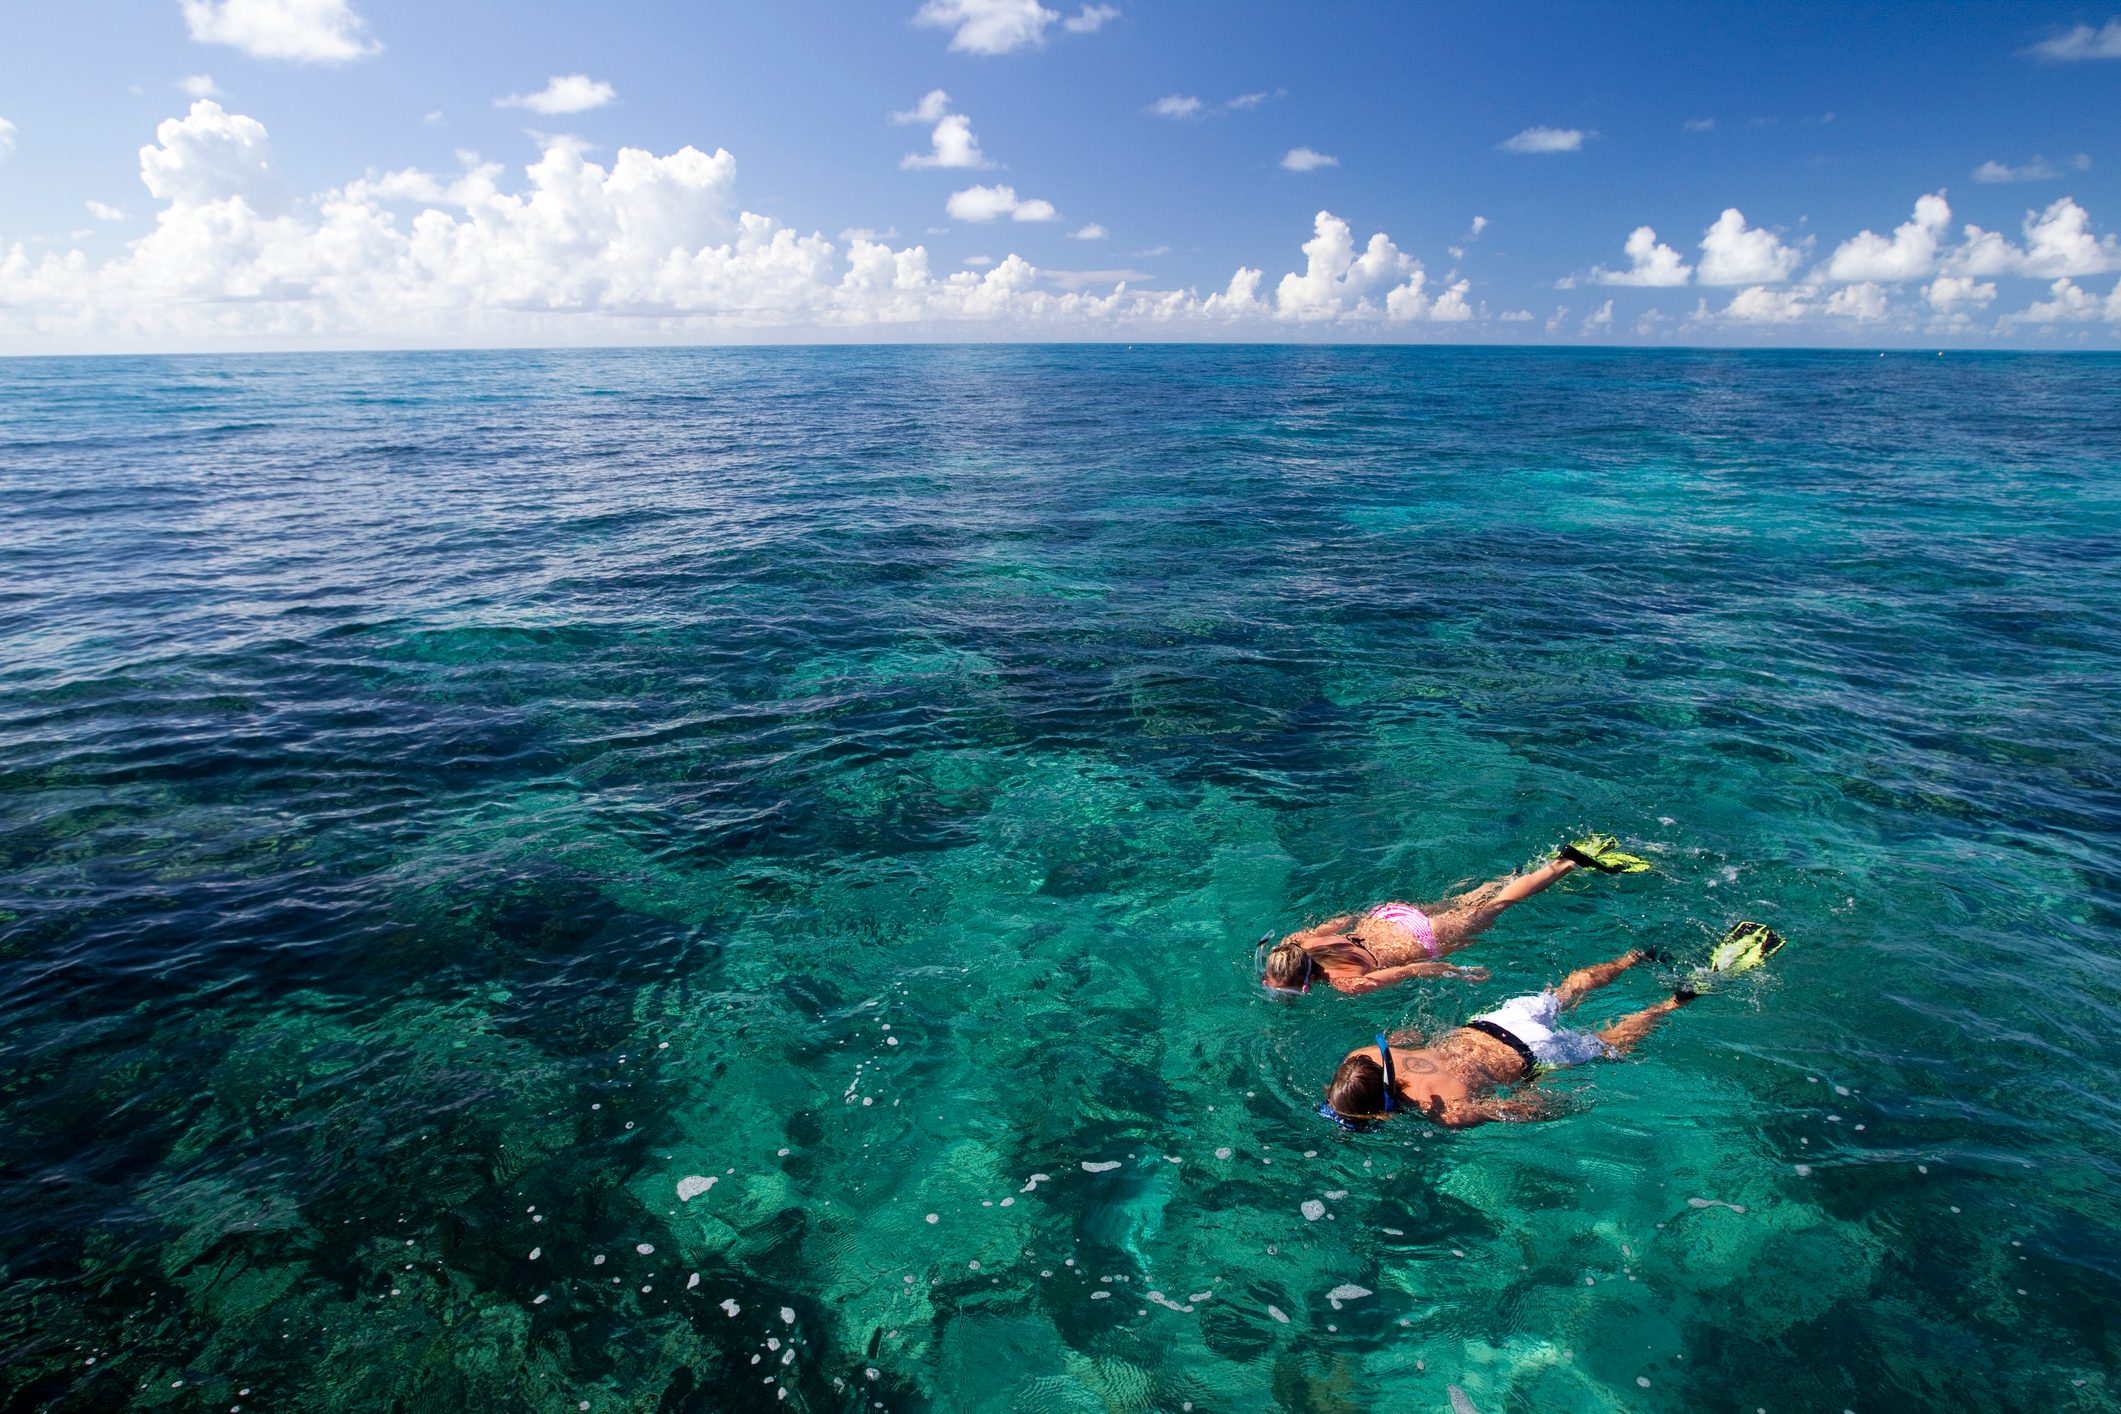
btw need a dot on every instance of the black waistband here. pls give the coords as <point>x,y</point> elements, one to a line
<point>1524,1053</point>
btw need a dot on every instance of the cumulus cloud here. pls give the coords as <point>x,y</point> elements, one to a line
<point>1700,125</point>
<point>1651,263</point>
<point>200,86</point>
<point>104,211</point>
<point>1733,253</point>
<point>1304,159</point>
<point>2037,170</point>
<point>1480,223</point>
<point>1338,281</point>
<point>208,155</point>
<point>309,31</point>
<point>1599,320</point>
<point>2080,43</point>
<point>1091,232</point>
<point>2058,242</point>
<point>2070,303</point>
<point>1761,305</point>
<point>7,138</point>
<point>562,93</point>
<point>1245,101</point>
<point>951,142</point>
<point>1947,293</point>
<point>1864,301</point>
<point>990,26</point>
<point>933,105</point>
<point>1910,255</point>
<point>990,203</point>
<point>1090,19</point>
<point>657,247</point>
<point>1546,140</point>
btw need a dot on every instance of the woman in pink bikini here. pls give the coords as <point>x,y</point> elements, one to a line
<point>1363,952</point>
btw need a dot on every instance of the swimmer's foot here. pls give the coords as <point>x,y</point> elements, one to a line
<point>1603,853</point>
<point>1742,949</point>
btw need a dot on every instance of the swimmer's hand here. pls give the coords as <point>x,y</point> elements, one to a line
<point>1387,976</point>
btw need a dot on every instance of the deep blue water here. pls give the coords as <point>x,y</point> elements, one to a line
<point>448,799</point>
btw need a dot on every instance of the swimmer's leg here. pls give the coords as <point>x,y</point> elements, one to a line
<point>1467,916</point>
<point>1586,980</point>
<point>1622,1035</point>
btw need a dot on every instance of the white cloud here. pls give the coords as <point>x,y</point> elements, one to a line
<point>1339,281</point>
<point>1152,252</point>
<point>933,105</point>
<point>1734,254</point>
<point>2058,242</point>
<point>1761,305</point>
<point>977,262</point>
<point>1950,292</point>
<point>1910,255</point>
<point>1303,159</point>
<point>7,138</point>
<point>655,247</point>
<point>200,86</point>
<point>2037,170</point>
<point>1186,105</point>
<point>1090,19</point>
<point>866,233</point>
<point>1864,301</point>
<point>1600,320</point>
<point>2083,42</point>
<point>1651,263</point>
<point>2069,303</point>
<point>952,144</point>
<point>310,31</point>
<point>207,156</point>
<point>1091,232</point>
<point>989,26</point>
<point>562,93</point>
<point>989,203</point>
<point>1700,125</point>
<point>1546,140</point>
<point>1480,223</point>
<point>1516,316</point>
<point>1083,279</point>
<point>104,211</point>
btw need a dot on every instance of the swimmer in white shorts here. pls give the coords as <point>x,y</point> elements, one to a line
<point>1453,1080</point>
<point>1394,942</point>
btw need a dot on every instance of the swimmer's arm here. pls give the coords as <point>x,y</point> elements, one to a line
<point>1523,1109</point>
<point>1331,928</point>
<point>1388,976</point>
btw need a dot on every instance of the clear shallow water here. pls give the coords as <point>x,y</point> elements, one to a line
<point>447,800</point>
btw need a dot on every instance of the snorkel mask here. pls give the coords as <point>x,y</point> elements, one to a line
<point>1364,1126</point>
<point>1259,970</point>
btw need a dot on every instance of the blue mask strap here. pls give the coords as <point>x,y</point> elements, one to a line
<point>1384,1058</point>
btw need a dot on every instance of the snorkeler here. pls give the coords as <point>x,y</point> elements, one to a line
<point>1393,942</point>
<point>1453,1080</point>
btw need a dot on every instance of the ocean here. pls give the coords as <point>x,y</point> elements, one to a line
<point>727,879</point>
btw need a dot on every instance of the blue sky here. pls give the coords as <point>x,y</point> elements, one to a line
<point>293,173</point>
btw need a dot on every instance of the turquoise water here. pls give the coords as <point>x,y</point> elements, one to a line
<point>446,801</point>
